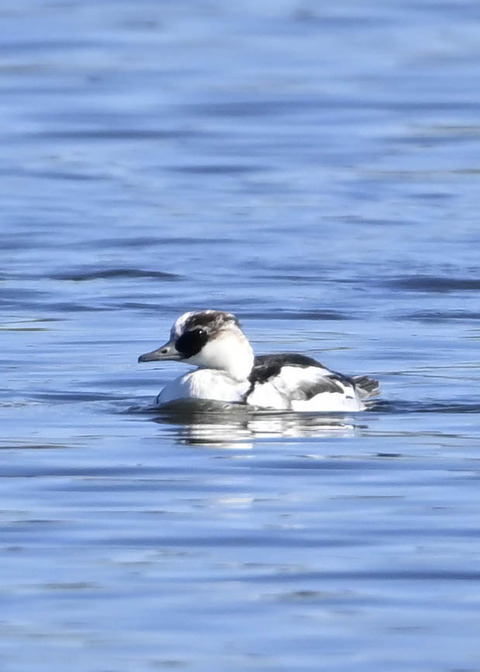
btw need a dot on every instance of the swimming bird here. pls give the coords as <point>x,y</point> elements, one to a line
<point>228,371</point>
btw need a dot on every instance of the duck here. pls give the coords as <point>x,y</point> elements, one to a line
<point>228,371</point>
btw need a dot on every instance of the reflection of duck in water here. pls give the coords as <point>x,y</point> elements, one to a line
<point>238,427</point>
<point>227,370</point>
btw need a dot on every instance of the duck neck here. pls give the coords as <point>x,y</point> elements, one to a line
<point>232,354</point>
<point>239,365</point>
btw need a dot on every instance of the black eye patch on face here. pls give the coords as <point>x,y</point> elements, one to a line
<point>191,342</point>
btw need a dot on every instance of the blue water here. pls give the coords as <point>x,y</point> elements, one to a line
<point>315,169</point>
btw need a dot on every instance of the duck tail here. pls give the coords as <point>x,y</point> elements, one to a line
<point>366,387</point>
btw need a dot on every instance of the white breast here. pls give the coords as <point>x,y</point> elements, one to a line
<point>204,384</point>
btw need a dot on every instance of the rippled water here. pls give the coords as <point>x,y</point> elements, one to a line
<point>313,168</point>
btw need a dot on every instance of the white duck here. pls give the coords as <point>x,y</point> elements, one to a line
<point>228,371</point>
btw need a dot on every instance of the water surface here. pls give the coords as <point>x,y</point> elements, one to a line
<point>314,170</point>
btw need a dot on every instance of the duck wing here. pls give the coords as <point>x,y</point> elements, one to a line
<point>282,380</point>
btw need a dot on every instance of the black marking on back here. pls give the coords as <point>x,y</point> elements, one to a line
<point>268,366</point>
<point>191,342</point>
